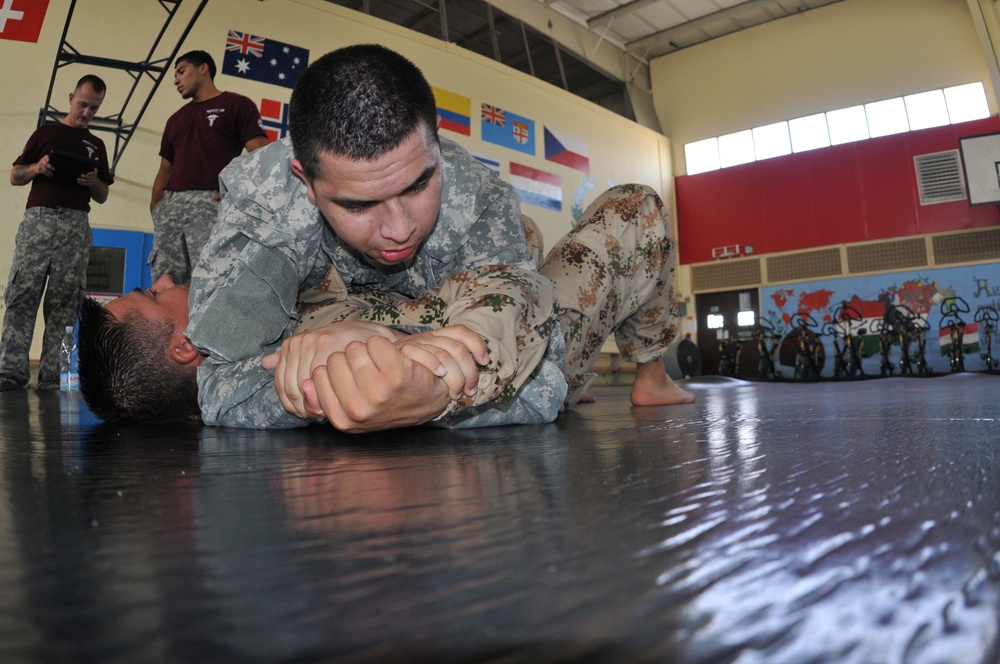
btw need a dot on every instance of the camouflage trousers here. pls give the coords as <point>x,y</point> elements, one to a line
<point>182,222</point>
<point>51,253</point>
<point>613,273</point>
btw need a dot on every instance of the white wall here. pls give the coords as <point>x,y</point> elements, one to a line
<point>839,55</point>
<point>620,150</point>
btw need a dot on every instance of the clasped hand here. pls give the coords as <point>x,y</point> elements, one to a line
<point>363,376</point>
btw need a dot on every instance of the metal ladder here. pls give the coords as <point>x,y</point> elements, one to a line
<point>148,71</point>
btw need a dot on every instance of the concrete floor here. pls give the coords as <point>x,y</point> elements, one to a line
<point>823,522</point>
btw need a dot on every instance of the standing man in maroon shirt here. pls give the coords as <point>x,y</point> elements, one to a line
<point>199,140</point>
<point>67,167</point>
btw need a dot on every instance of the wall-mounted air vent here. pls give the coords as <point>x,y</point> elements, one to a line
<point>939,177</point>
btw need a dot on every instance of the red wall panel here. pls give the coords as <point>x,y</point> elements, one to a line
<point>847,193</point>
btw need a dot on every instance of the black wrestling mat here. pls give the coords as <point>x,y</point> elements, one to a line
<point>823,522</point>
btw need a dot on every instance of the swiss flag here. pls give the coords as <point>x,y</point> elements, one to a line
<point>21,20</point>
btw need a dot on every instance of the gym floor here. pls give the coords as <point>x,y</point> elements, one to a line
<point>769,522</point>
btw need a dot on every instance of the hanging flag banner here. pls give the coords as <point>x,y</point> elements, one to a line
<point>274,115</point>
<point>567,150</point>
<point>265,60</point>
<point>453,111</point>
<point>21,20</point>
<point>535,187</point>
<point>507,129</point>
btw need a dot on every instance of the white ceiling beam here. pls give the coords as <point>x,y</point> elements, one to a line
<point>623,10</point>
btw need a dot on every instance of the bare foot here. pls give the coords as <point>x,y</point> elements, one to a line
<point>653,387</point>
<point>587,397</point>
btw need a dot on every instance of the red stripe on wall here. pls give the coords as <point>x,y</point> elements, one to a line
<point>847,193</point>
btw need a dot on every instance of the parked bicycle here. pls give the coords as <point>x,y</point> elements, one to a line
<point>730,350</point>
<point>809,355</point>
<point>952,309</point>
<point>987,318</point>
<point>767,340</point>
<point>847,339</point>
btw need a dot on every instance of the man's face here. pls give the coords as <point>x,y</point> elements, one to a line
<point>83,106</point>
<point>385,208</point>
<point>164,299</point>
<point>187,79</point>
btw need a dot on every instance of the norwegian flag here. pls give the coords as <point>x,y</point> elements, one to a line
<point>494,115</point>
<point>245,43</point>
<point>274,115</point>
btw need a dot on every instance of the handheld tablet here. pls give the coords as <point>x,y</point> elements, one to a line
<point>70,166</point>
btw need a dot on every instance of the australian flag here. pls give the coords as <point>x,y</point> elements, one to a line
<point>265,60</point>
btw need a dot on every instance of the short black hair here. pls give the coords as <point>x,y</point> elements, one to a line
<point>126,373</point>
<point>361,102</point>
<point>96,83</point>
<point>198,58</point>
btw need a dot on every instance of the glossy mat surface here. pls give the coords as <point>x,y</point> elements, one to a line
<point>849,522</point>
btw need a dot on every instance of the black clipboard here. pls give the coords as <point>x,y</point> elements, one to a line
<point>69,166</point>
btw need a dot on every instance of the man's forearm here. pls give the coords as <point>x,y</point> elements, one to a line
<point>22,174</point>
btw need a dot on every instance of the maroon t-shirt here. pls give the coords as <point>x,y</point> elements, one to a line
<point>57,191</point>
<point>202,138</point>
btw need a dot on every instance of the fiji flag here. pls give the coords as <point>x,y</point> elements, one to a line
<point>567,150</point>
<point>535,187</point>
<point>265,60</point>
<point>274,115</point>
<point>453,111</point>
<point>507,129</point>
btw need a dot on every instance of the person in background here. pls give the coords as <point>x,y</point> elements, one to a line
<point>199,140</point>
<point>52,245</point>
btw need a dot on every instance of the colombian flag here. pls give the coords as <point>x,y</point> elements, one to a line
<point>453,111</point>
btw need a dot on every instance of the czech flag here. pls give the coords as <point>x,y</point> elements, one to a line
<point>567,150</point>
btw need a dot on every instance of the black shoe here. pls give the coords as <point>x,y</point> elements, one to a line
<point>9,385</point>
<point>47,385</point>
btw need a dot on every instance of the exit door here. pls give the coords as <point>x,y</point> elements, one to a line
<point>725,325</point>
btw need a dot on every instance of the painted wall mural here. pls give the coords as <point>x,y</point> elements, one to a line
<point>937,300</point>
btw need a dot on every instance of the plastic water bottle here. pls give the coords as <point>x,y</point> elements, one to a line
<point>69,362</point>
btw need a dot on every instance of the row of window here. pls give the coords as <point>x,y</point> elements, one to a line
<point>934,108</point>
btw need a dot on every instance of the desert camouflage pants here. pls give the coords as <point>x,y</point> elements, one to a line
<point>51,253</point>
<point>182,222</point>
<point>613,273</point>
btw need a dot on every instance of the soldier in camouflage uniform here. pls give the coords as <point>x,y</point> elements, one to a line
<point>419,254</point>
<point>198,141</point>
<point>52,245</point>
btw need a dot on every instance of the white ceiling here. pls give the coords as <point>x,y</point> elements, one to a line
<point>650,28</point>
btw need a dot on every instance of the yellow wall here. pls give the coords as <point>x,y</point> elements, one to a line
<point>620,151</point>
<point>847,53</point>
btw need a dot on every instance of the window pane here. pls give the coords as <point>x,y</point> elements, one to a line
<point>745,319</point>
<point>809,133</point>
<point>967,102</point>
<point>715,321</point>
<point>702,156</point>
<point>771,140</point>
<point>847,124</point>
<point>886,117</point>
<point>926,109</point>
<point>736,148</point>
